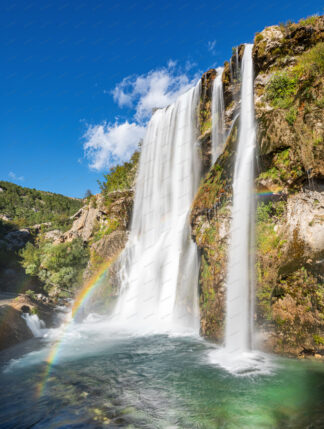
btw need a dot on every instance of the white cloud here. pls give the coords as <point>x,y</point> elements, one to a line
<point>157,88</point>
<point>13,176</point>
<point>211,46</point>
<point>171,64</point>
<point>107,145</point>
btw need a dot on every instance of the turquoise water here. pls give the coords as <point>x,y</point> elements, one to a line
<point>105,380</point>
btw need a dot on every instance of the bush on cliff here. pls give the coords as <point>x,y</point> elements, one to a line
<point>120,177</point>
<point>59,267</point>
<point>284,86</point>
<point>281,90</point>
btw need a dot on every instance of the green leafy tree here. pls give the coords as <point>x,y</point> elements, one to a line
<point>59,267</point>
<point>120,177</point>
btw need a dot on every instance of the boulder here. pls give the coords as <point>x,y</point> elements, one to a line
<point>17,239</point>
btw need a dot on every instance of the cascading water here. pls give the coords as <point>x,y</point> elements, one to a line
<point>235,67</point>
<point>159,266</point>
<point>239,277</point>
<point>218,118</point>
<point>36,325</point>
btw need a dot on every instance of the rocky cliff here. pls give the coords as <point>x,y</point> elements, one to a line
<point>289,185</point>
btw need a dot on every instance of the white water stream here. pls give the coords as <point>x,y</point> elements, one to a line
<point>35,324</point>
<point>240,278</point>
<point>159,266</point>
<point>218,118</point>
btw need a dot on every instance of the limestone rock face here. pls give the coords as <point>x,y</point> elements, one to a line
<point>305,212</point>
<point>289,312</point>
<point>83,225</point>
<point>108,238</point>
<point>290,223</point>
<point>110,245</point>
<point>95,215</point>
<point>53,235</point>
<point>278,42</point>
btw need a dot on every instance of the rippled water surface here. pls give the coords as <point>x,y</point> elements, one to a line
<point>101,379</point>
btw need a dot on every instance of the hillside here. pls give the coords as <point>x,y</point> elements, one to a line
<point>26,207</point>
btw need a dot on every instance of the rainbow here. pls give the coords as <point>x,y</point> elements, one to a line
<point>276,190</point>
<point>82,297</point>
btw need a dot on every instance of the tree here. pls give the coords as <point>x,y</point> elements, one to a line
<point>88,193</point>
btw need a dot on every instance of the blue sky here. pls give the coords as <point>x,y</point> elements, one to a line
<point>79,78</point>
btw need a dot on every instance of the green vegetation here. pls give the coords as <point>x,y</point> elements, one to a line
<point>318,339</point>
<point>59,267</point>
<point>310,20</point>
<point>281,90</point>
<point>298,308</point>
<point>205,126</point>
<point>320,103</point>
<point>269,250</point>
<point>31,294</point>
<point>26,207</point>
<point>291,116</point>
<point>110,226</point>
<point>284,169</point>
<point>120,177</point>
<point>311,62</point>
<point>258,37</point>
<point>284,86</point>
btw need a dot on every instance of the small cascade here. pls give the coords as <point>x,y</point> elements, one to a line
<point>35,324</point>
<point>235,66</point>
<point>240,277</point>
<point>159,266</point>
<point>218,116</point>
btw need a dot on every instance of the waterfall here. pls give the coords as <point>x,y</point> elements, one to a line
<point>239,277</point>
<point>159,266</point>
<point>36,325</point>
<point>218,118</point>
<point>235,66</point>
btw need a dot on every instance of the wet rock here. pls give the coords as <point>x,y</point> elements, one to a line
<point>13,327</point>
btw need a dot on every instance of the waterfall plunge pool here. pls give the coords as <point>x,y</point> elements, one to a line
<point>101,378</point>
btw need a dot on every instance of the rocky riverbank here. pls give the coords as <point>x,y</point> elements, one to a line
<point>13,328</point>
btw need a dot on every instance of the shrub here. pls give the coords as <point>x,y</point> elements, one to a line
<point>291,116</point>
<point>311,63</point>
<point>264,212</point>
<point>112,225</point>
<point>310,20</point>
<point>120,177</point>
<point>31,294</point>
<point>318,340</point>
<point>270,212</point>
<point>320,103</point>
<point>59,266</point>
<point>258,37</point>
<point>281,90</point>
